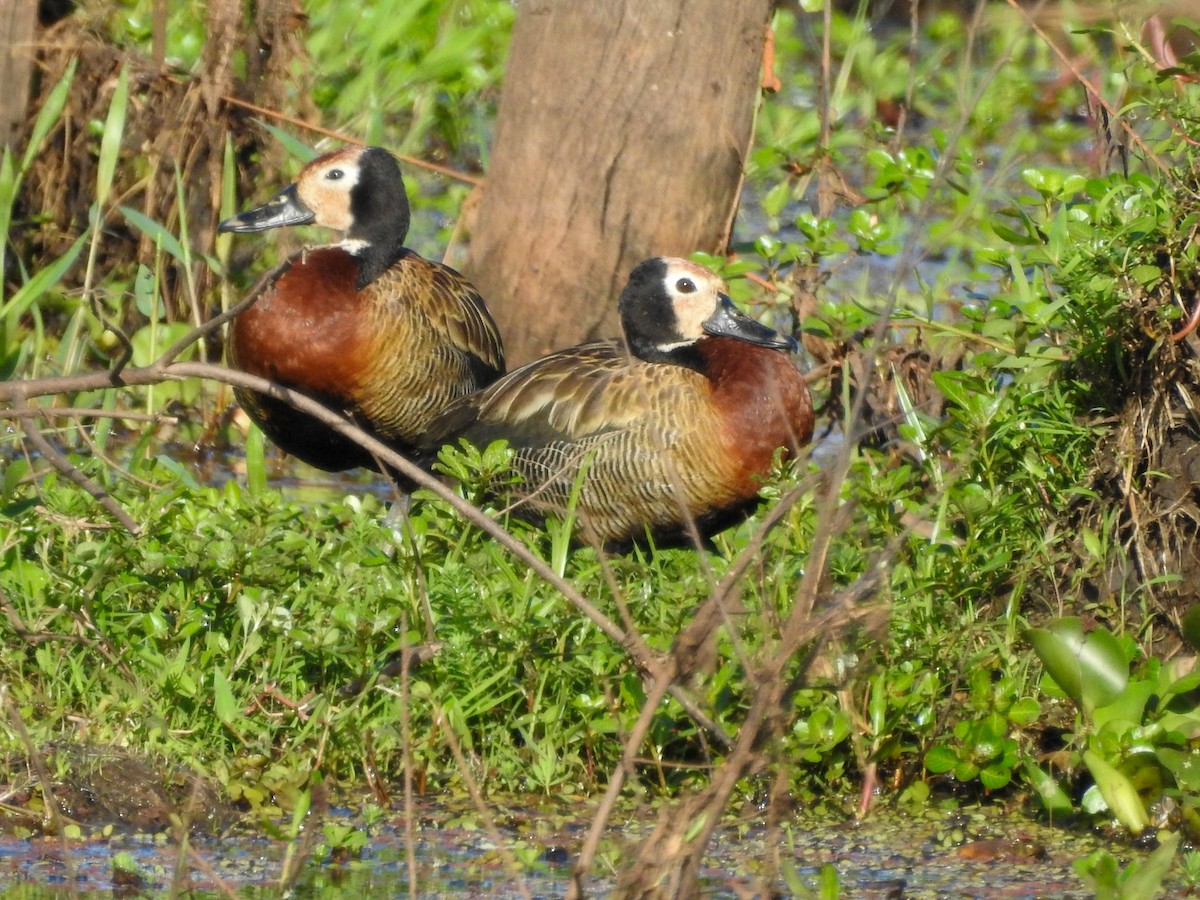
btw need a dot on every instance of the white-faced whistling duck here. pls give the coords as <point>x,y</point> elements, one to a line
<point>681,420</point>
<point>365,326</point>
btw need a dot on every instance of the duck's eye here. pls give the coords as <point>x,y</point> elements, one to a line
<point>685,286</point>
<point>334,174</point>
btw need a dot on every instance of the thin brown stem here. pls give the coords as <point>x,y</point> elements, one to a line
<point>625,769</point>
<point>485,815</point>
<point>337,135</point>
<point>72,473</point>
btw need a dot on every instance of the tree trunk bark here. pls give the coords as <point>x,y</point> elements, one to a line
<point>622,134</point>
<point>18,20</point>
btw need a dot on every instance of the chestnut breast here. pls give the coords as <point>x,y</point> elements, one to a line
<point>392,354</point>
<point>762,403</point>
<point>306,329</point>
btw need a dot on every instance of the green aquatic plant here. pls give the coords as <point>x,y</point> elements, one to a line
<point>1134,729</point>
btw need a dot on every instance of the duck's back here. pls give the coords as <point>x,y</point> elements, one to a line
<point>654,439</point>
<point>429,340</point>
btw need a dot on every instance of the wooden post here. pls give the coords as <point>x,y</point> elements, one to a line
<point>18,20</point>
<point>622,132</point>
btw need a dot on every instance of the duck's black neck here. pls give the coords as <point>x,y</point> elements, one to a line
<point>380,211</point>
<point>687,354</point>
<point>376,255</point>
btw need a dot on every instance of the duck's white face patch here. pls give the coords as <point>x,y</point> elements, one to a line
<point>694,295</point>
<point>324,186</point>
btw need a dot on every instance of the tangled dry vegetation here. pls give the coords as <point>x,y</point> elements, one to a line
<point>1145,392</point>
<point>176,130</point>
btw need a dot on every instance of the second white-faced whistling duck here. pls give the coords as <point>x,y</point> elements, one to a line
<point>366,326</point>
<point>681,420</point>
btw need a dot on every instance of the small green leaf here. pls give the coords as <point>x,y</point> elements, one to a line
<point>777,198</point>
<point>1146,275</point>
<point>1053,798</point>
<point>1024,711</point>
<point>224,705</point>
<point>940,759</point>
<point>995,777</point>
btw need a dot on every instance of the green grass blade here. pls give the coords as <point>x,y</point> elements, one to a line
<point>256,467</point>
<point>223,243</point>
<point>292,145</point>
<point>48,115</point>
<point>228,186</point>
<point>110,143</point>
<point>8,193</point>
<point>39,284</point>
<point>156,231</point>
<point>184,229</point>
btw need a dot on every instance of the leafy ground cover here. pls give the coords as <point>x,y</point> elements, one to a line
<point>992,268</point>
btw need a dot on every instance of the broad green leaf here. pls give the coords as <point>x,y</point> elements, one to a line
<point>1180,688</point>
<point>952,386</point>
<point>1053,798</point>
<point>1184,766</point>
<point>1118,793</point>
<point>1090,668</point>
<point>1146,275</point>
<point>150,341</point>
<point>1145,879</point>
<point>1024,712</point>
<point>995,776</point>
<point>1129,706</point>
<point>940,759</point>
